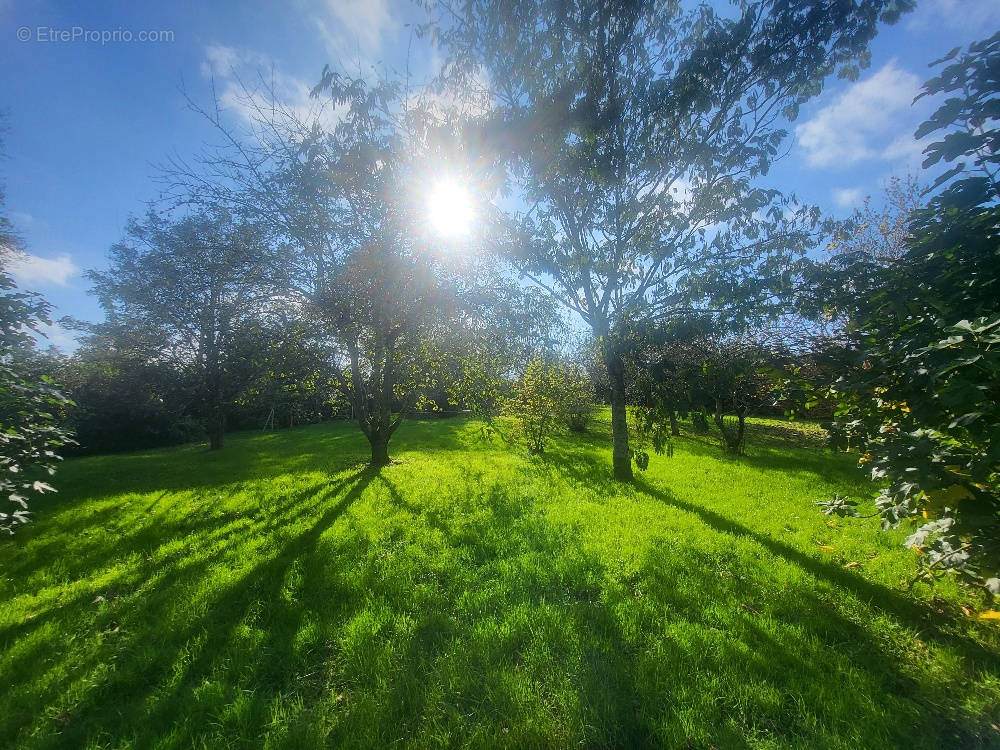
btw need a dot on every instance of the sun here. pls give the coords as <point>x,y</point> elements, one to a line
<point>450,210</point>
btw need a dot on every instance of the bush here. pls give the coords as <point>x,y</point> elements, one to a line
<point>550,397</point>
<point>126,403</point>
<point>578,402</point>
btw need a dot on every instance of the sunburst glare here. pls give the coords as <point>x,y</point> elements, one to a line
<point>450,210</point>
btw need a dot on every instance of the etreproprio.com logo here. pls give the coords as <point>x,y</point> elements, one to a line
<point>81,34</point>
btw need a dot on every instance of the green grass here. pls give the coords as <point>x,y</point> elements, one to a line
<point>276,594</point>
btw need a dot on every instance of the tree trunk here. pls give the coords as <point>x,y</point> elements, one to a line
<point>380,449</point>
<point>216,429</point>
<point>621,456</point>
<point>674,429</point>
<point>733,441</point>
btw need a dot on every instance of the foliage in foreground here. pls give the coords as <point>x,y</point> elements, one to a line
<point>921,401</point>
<point>275,594</point>
<point>31,408</point>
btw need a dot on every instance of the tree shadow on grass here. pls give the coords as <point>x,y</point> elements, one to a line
<point>827,465</point>
<point>450,621</point>
<point>260,587</point>
<point>65,528</point>
<point>828,672</point>
<point>154,665</point>
<point>906,610</point>
<point>534,584</point>
<point>776,456</point>
<point>218,533</point>
<point>329,447</point>
<point>588,468</point>
<point>630,681</point>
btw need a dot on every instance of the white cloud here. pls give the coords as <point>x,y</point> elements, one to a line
<point>967,15</point>
<point>864,122</point>
<point>55,335</point>
<point>352,27</point>
<point>847,197</point>
<point>246,82</point>
<point>221,60</point>
<point>33,269</point>
<point>907,151</point>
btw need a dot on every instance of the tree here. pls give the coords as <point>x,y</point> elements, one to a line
<point>578,401</point>
<point>190,285</point>
<point>286,372</point>
<point>686,367</point>
<point>637,132</point>
<point>32,408</point>
<point>736,386</point>
<point>480,362</point>
<point>349,199</point>
<point>125,400</point>
<point>922,401</point>
<point>880,234</point>
<point>665,362</point>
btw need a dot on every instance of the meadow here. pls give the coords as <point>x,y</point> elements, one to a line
<point>278,594</point>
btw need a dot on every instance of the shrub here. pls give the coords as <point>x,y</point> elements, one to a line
<point>550,396</point>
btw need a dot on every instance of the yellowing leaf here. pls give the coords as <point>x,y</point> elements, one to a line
<point>827,548</point>
<point>949,495</point>
<point>990,614</point>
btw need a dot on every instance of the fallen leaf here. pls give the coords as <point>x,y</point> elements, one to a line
<point>853,564</point>
<point>827,548</point>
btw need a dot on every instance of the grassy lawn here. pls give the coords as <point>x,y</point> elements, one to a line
<point>276,594</point>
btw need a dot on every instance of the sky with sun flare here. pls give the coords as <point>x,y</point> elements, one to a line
<point>88,119</point>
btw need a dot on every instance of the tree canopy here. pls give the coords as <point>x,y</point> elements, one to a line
<point>637,133</point>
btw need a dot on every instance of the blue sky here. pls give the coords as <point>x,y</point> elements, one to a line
<point>89,121</point>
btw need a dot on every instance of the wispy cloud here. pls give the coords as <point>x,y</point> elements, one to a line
<point>23,220</point>
<point>873,119</point>
<point>61,338</point>
<point>353,27</point>
<point>906,151</point>
<point>965,15</point>
<point>847,197</point>
<point>33,269</point>
<point>247,81</point>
